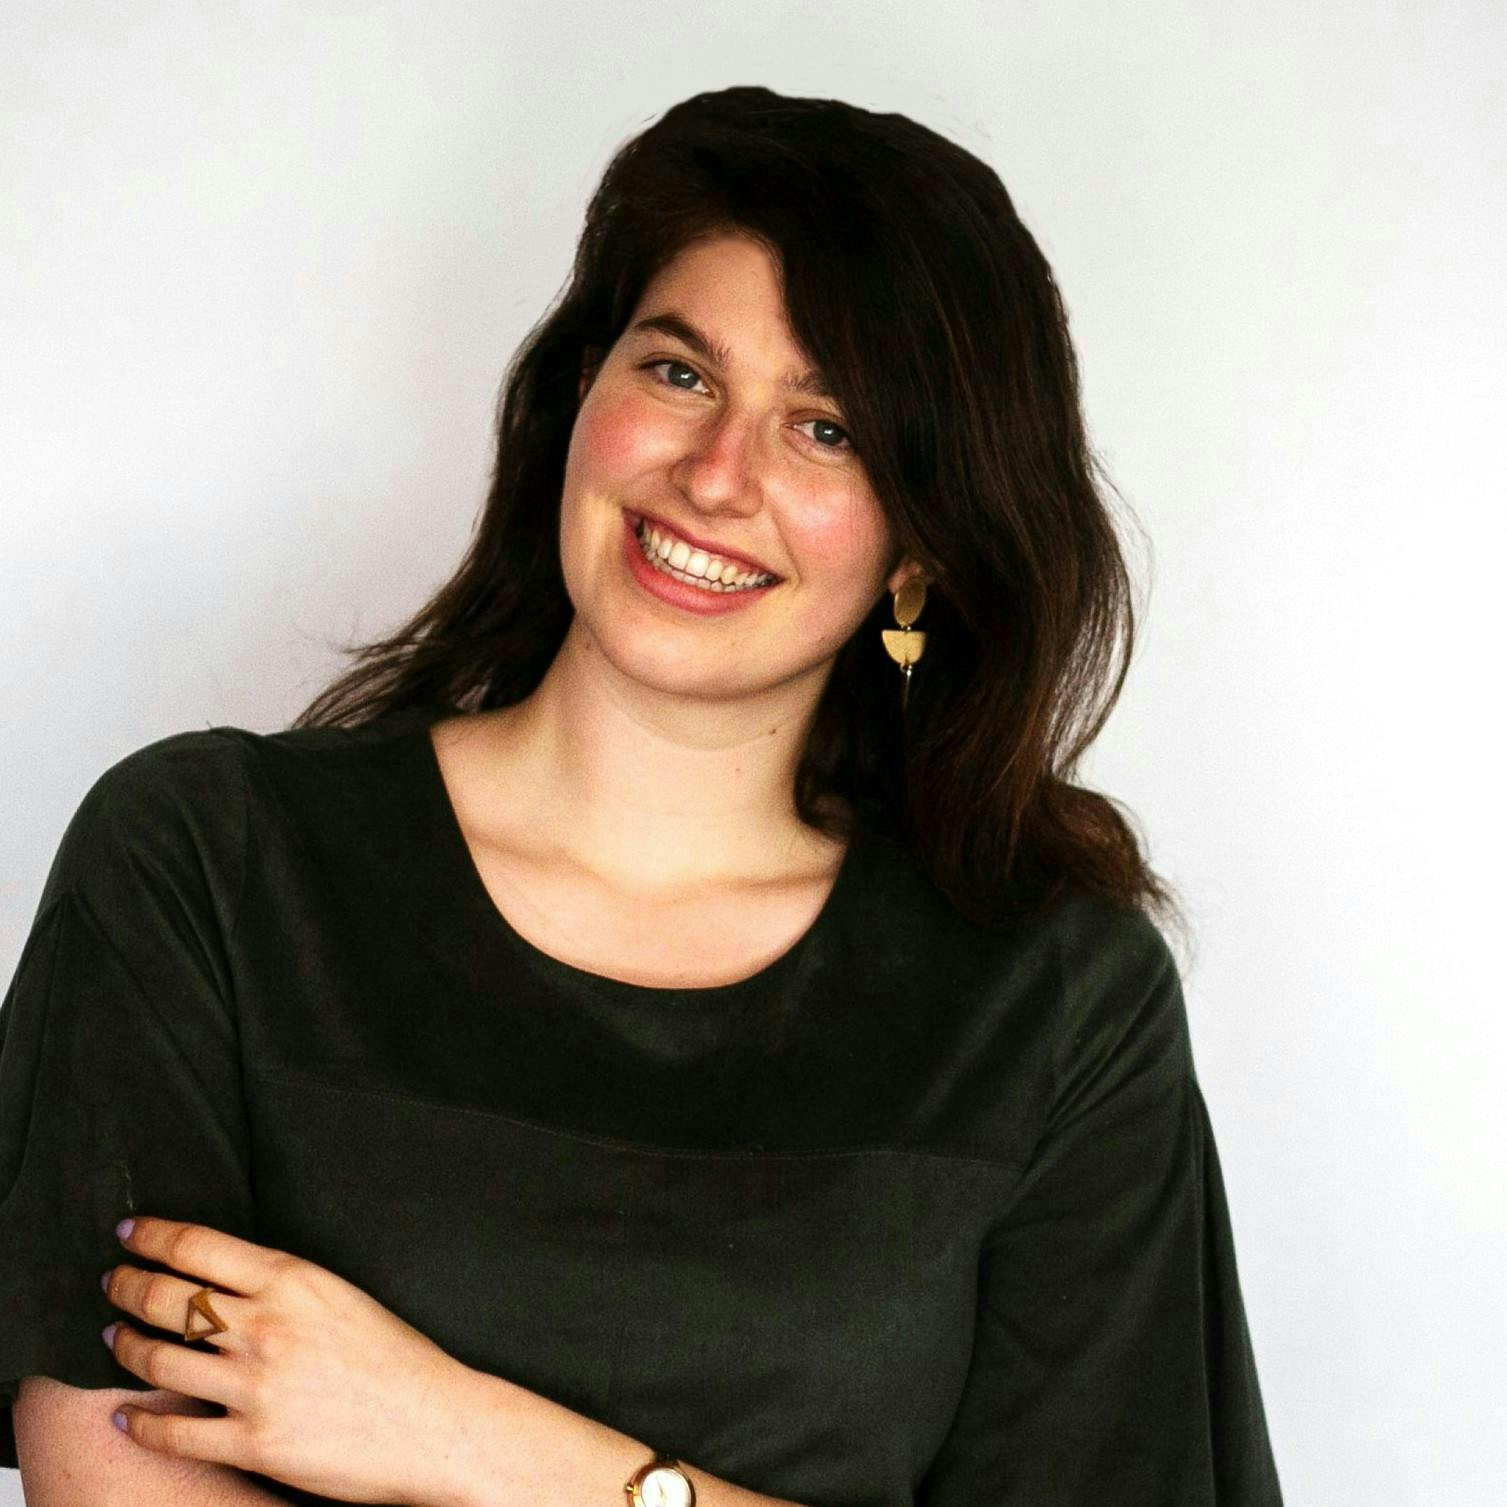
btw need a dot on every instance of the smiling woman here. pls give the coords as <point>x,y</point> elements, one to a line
<point>734,454</point>
<point>621,1038</point>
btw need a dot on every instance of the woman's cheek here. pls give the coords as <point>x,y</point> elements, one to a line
<point>620,437</point>
<point>845,535</point>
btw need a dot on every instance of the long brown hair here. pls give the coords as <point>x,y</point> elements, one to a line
<point>911,281</point>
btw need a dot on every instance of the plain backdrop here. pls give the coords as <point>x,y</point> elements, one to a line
<point>261,268</point>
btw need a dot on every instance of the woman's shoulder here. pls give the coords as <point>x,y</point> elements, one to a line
<point>1084,966</point>
<point>194,797</point>
<point>1120,994</point>
<point>169,814</point>
<point>156,786</point>
<point>1099,937</point>
<point>1089,935</point>
<point>217,764</point>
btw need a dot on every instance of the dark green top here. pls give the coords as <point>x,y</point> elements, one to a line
<point>921,1213</point>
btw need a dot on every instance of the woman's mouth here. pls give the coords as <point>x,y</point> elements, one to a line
<point>696,567</point>
<point>671,570</point>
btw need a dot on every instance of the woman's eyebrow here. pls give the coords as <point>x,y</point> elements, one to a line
<point>813,383</point>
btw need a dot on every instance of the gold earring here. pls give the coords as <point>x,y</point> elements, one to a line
<point>903,644</point>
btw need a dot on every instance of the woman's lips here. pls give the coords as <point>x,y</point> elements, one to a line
<point>692,598</point>
<point>728,557</point>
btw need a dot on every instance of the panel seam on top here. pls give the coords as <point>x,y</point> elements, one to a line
<point>647,1148</point>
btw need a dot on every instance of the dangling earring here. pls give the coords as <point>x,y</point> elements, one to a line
<point>903,644</point>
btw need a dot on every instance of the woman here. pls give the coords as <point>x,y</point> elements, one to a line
<point>665,1022</point>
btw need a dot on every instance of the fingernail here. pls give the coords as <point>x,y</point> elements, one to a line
<point>124,1228</point>
<point>107,1334</point>
<point>104,1279</point>
<point>119,1420</point>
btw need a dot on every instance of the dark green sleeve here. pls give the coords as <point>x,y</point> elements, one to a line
<point>1112,1362</point>
<point>120,1086</point>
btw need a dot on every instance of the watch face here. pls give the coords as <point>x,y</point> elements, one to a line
<point>665,1487</point>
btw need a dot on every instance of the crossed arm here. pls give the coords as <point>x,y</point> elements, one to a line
<point>324,1389</point>
<point>71,1454</point>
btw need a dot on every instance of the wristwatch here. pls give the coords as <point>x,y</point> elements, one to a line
<point>660,1483</point>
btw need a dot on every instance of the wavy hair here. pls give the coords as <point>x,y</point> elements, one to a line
<point>910,280</point>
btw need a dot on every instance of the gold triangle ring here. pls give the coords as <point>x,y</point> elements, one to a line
<point>199,1304</point>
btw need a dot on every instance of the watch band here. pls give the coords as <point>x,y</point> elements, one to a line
<point>682,1493</point>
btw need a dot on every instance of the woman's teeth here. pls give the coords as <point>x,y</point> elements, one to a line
<point>694,566</point>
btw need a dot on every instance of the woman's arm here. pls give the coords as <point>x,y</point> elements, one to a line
<point>514,1445</point>
<point>511,1445</point>
<point>1111,1359</point>
<point>71,1455</point>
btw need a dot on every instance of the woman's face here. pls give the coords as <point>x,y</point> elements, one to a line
<point>716,448</point>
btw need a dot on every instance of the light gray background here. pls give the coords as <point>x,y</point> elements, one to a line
<point>263,265</point>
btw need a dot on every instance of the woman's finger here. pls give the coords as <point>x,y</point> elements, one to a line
<point>162,1300</point>
<point>174,1367</point>
<point>219,1441</point>
<point>214,1257</point>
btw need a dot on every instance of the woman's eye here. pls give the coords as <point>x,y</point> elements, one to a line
<point>655,365</point>
<point>825,427</point>
<point>829,425</point>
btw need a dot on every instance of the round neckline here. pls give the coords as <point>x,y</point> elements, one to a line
<point>474,894</point>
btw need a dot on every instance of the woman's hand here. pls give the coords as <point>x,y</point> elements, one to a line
<point>324,1388</point>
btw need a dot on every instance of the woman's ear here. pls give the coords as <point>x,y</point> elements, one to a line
<point>903,572</point>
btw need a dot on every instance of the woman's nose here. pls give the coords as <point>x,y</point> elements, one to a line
<point>722,459</point>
